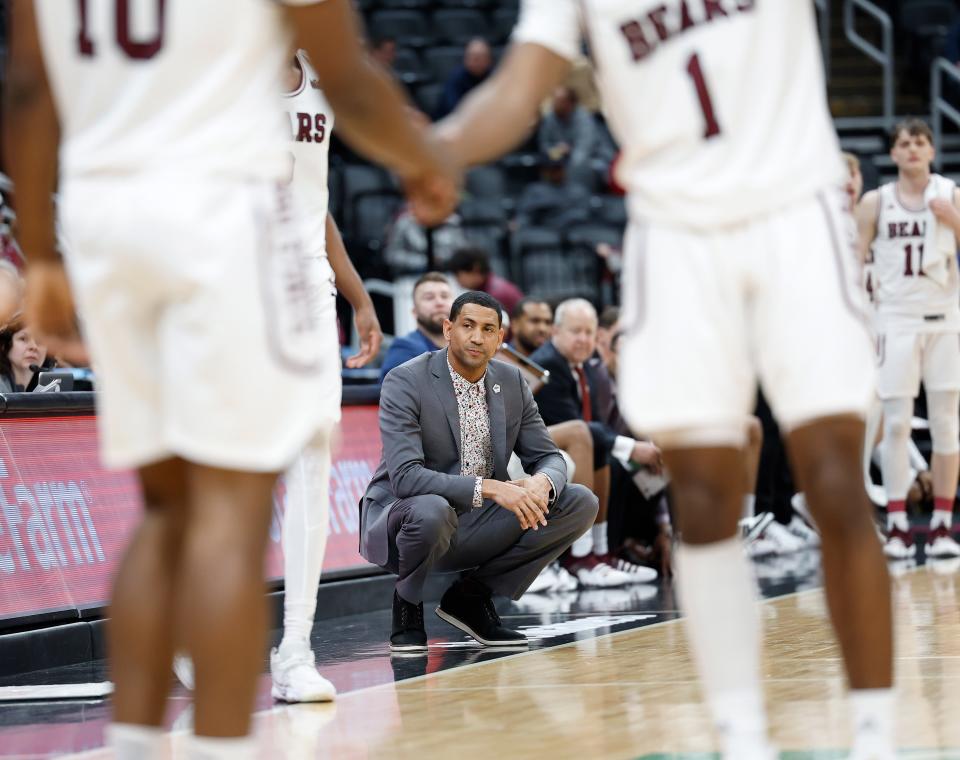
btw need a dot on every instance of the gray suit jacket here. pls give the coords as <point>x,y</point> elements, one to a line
<point>420,428</point>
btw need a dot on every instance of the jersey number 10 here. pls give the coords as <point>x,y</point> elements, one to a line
<point>137,50</point>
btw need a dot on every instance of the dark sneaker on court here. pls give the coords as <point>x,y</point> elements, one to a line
<point>409,634</point>
<point>468,605</point>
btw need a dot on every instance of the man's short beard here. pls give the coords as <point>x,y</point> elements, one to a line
<point>431,327</point>
<point>527,345</point>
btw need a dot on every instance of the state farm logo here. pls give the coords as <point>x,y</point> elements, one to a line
<point>46,525</point>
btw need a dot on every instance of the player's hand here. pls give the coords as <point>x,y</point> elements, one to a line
<point>539,484</point>
<point>50,311</point>
<point>371,336</point>
<point>663,551</point>
<point>434,192</point>
<point>945,211</point>
<point>11,295</point>
<point>531,509</point>
<point>646,454</point>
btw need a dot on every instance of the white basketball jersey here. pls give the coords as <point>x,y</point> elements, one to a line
<point>168,85</point>
<point>719,106</point>
<point>311,124</point>
<point>901,289</point>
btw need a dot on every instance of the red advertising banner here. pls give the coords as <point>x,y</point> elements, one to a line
<point>65,520</point>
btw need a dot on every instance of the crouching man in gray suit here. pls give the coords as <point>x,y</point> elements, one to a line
<point>441,498</point>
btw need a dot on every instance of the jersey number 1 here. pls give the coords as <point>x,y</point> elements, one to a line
<point>140,51</point>
<point>711,126</point>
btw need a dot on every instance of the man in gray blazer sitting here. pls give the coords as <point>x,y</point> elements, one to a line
<point>441,498</point>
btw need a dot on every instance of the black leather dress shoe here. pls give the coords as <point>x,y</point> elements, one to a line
<point>468,605</point>
<point>409,634</point>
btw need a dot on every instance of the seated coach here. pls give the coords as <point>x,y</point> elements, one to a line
<point>441,498</point>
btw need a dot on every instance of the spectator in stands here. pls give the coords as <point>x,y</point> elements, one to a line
<point>20,357</point>
<point>471,267</point>
<point>608,328</point>
<point>552,201</point>
<point>569,133</point>
<point>854,186</point>
<point>406,248</point>
<point>531,323</point>
<point>581,390</point>
<point>477,64</point>
<point>384,51</point>
<point>432,298</point>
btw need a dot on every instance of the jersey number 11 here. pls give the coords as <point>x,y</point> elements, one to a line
<point>137,50</point>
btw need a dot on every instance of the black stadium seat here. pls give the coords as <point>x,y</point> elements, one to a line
<point>427,96</point>
<point>403,4</point>
<point>504,19</point>
<point>465,3</point>
<point>360,180</point>
<point>458,25</point>
<point>409,67</point>
<point>409,26</point>
<point>486,182</point>
<point>442,60</point>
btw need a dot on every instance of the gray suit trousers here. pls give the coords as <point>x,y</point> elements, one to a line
<point>488,544</point>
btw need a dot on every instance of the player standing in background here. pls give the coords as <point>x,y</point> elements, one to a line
<point>307,515</point>
<point>188,268</point>
<point>737,268</point>
<point>909,230</point>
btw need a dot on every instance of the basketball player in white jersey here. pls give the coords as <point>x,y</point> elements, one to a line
<point>307,515</point>
<point>737,269</point>
<point>909,230</point>
<point>188,269</point>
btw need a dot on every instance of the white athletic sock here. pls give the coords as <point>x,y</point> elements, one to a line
<point>305,524</point>
<point>941,517</point>
<point>131,742</point>
<point>899,520</point>
<point>219,748</point>
<point>718,597</point>
<point>895,454</point>
<point>583,545</point>
<point>599,533</point>
<point>872,713</point>
<point>749,502</point>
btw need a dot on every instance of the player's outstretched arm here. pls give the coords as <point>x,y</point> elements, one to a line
<point>372,113</point>
<point>866,215</point>
<point>498,114</point>
<point>31,136</point>
<point>351,287</point>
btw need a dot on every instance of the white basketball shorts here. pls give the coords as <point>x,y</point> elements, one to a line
<point>709,313</point>
<point>198,309</point>
<point>905,356</point>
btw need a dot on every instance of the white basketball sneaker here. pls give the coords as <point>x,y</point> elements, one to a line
<point>295,676</point>
<point>543,583</point>
<point>899,544</point>
<point>592,573</point>
<point>798,527</point>
<point>183,670</point>
<point>565,581</point>
<point>941,544</point>
<point>637,573</point>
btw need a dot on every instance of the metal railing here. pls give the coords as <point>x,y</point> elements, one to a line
<point>823,6</point>
<point>882,55</point>
<point>939,106</point>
